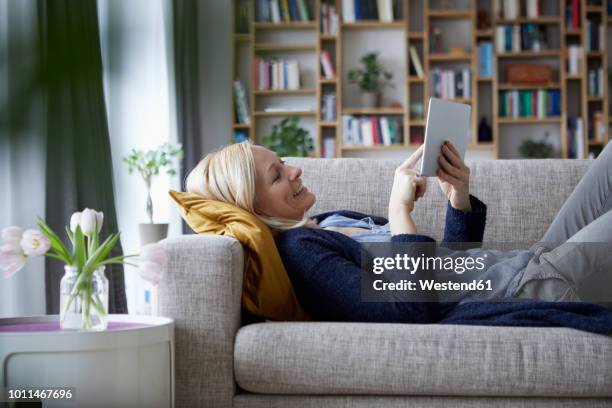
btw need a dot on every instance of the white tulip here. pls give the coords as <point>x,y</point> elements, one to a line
<point>12,232</point>
<point>75,220</point>
<point>88,222</point>
<point>11,262</point>
<point>99,220</point>
<point>34,243</point>
<point>152,262</point>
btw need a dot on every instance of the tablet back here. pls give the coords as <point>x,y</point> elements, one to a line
<point>445,121</point>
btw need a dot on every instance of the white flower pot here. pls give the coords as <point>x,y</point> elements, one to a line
<point>370,99</point>
<point>150,233</point>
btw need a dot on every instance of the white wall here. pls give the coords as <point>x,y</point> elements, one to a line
<point>134,47</point>
<point>215,59</point>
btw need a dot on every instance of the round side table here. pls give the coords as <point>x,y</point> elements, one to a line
<point>129,364</point>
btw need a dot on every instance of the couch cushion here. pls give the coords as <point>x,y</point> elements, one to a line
<point>396,359</point>
<point>523,196</point>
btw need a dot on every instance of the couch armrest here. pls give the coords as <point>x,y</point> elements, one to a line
<point>201,291</point>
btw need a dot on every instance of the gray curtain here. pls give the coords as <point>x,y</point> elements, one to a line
<point>79,165</point>
<point>186,82</point>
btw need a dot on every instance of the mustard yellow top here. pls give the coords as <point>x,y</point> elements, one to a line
<point>267,291</point>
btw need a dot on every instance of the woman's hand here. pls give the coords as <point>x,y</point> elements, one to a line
<point>454,177</point>
<point>407,188</point>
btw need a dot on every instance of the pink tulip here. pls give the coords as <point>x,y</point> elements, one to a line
<point>11,262</point>
<point>152,262</point>
<point>151,272</point>
<point>12,232</point>
<point>34,243</point>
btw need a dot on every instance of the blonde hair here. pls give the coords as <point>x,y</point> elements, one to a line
<point>228,175</point>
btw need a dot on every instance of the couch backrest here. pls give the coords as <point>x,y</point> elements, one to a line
<point>522,196</point>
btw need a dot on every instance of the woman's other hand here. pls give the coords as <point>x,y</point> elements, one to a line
<point>408,186</point>
<point>454,177</point>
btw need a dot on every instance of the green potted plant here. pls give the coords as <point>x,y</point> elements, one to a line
<point>371,78</point>
<point>149,164</point>
<point>532,149</point>
<point>288,138</point>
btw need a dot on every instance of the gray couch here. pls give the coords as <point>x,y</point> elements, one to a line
<point>222,363</point>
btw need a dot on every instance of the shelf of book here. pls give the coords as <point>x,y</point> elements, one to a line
<point>416,79</point>
<point>374,24</point>
<point>527,20</point>
<point>593,8</point>
<point>328,80</point>
<point>241,126</point>
<point>294,25</point>
<point>285,91</point>
<point>375,147</point>
<point>328,37</point>
<point>415,123</point>
<point>242,37</point>
<point>416,35</point>
<point>597,142</point>
<point>529,86</point>
<point>484,33</point>
<point>449,13</point>
<point>449,57</point>
<point>528,120</point>
<point>284,47</point>
<point>373,111</point>
<point>327,123</point>
<point>529,54</point>
<point>285,113</point>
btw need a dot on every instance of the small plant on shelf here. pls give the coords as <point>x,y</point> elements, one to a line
<point>289,139</point>
<point>372,78</point>
<point>531,149</point>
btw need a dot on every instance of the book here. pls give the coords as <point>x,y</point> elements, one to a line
<point>386,134</point>
<point>326,64</point>
<point>385,10</point>
<point>416,61</point>
<point>328,108</point>
<point>242,107</point>
<point>275,11</point>
<point>285,10</point>
<point>348,11</point>
<point>329,148</point>
<point>485,59</point>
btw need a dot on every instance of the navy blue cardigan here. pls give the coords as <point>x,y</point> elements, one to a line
<point>325,268</point>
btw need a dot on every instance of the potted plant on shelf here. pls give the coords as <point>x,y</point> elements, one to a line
<point>83,288</point>
<point>372,78</point>
<point>149,164</point>
<point>288,138</point>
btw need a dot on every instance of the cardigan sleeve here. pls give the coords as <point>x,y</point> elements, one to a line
<point>461,226</point>
<point>325,270</point>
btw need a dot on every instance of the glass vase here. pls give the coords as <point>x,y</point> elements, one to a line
<point>83,300</point>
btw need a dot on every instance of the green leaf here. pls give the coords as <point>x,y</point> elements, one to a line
<point>56,243</point>
<point>79,251</point>
<point>100,253</point>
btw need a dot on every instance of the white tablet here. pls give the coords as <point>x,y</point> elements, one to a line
<point>445,121</point>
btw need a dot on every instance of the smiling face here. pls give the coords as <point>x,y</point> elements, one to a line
<point>279,191</point>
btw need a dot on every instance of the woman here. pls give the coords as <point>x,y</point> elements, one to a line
<point>322,255</point>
